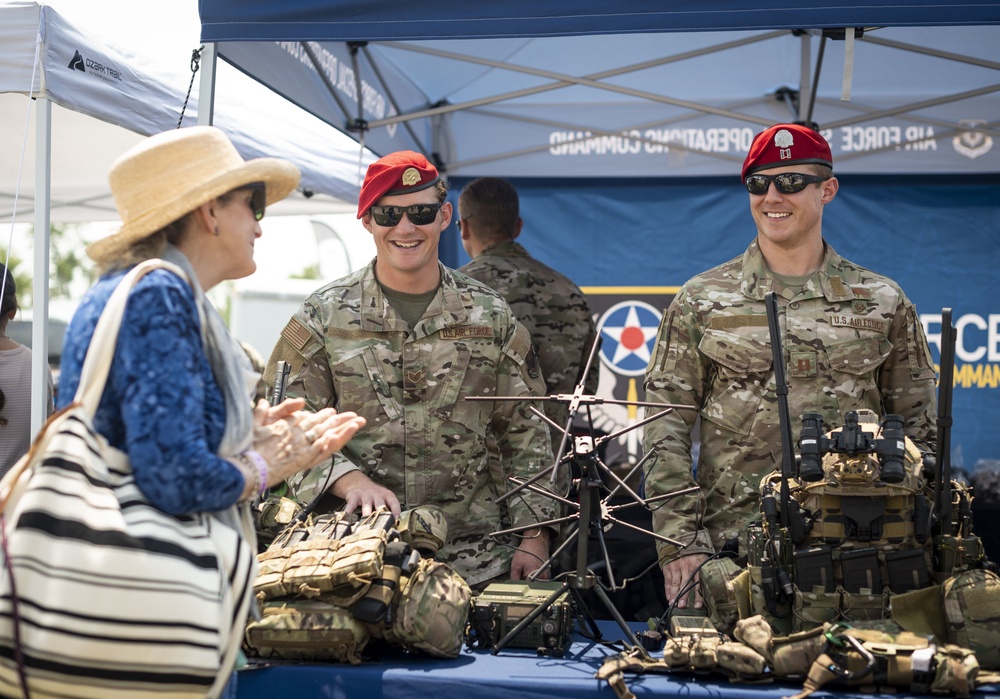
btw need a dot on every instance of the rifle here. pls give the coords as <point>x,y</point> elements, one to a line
<point>942,497</point>
<point>791,516</point>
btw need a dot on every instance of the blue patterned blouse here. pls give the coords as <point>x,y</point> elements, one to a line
<point>161,404</point>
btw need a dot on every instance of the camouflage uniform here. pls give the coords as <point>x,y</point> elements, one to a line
<point>554,311</point>
<point>348,348</point>
<point>851,340</point>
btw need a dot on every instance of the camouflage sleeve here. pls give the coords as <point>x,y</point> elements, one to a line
<point>676,374</point>
<point>522,437</point>
<point>309,377</point>
<point>301,346</point>
<point>907,377</point>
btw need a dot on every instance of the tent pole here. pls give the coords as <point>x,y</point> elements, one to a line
<point>805,107</point>
<point>206,88</point>
<point>40,281</point>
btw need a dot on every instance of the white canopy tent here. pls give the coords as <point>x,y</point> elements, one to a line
<point>71,103</point>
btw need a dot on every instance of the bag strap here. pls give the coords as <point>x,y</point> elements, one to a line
<point>97,362</point>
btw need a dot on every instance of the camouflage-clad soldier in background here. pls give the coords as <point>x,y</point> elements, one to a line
<point>547,303</point>
<point>404,342</point>
<point>851,339</point>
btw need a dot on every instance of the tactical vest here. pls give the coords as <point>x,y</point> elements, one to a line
<point>855,536</point>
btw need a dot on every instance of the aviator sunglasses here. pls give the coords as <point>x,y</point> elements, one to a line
<point>419,214</point>
<point>786,182</point>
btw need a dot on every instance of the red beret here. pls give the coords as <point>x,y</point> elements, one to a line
<point>397,173</point>
<point>786,144</point>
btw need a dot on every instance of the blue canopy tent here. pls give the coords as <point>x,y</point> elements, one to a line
<point>623,127</point>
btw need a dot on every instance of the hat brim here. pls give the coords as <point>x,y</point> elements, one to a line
<point>280,179</point>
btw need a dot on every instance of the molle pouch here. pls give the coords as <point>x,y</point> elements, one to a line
<point>814,609</point>
<point>725,587</point>
<point>270,581</point>
<point>957,669</point>
<point>814,569</point>
<point>859,571</point>
<point>946,556</point>
<point>858,606</point>
<point>792,656</point>
<point>782,620</point>
<point>305,570</point>
<point>357,564</point>
<point>271,516</point>
<point>907,570</point>
<point>424,528</point>
<point>972,551</point>
<point>756,633</point>
<point>432,610</point>
<point>374,607</point>
<point>743,661</point>
<point>677,651</point>
<point>306,630</point>
<point>972,608</point>
<point>705,651</point>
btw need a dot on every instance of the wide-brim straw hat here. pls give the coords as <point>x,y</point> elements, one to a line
<point>173,173</point>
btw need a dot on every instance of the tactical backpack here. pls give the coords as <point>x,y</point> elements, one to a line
<point>329,584</point>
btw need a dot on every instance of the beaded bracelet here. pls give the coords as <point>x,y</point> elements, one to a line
<point>256,460</point>
<point>255,486</point>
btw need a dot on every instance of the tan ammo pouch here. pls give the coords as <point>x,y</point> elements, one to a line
<point>711,651</point>
<point>756,633</point>
<point>432,610</point>
<point>793,655</point>
<point>812,609</point>
<point>725,587</point>
<point>338,570</point>
<point>972,610</point>
<point>306,630</point>
<point>424,528</point>
<point>272,515</point>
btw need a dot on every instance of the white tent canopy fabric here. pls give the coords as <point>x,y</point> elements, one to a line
<point>71,103</point>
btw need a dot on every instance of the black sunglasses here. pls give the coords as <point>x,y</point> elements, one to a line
<point>786,182</point>
<point>258,198</point>
<point>419,214</point>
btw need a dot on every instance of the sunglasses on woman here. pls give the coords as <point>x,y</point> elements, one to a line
<point>786,182</point>
<point>258,198</point>
<point>419,214</point>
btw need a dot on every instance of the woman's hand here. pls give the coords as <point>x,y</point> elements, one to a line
<point>291,439</point>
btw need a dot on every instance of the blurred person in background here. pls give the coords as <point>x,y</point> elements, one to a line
<point>15,382</point>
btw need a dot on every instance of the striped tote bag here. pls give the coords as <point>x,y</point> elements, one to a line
<point>102,594</point>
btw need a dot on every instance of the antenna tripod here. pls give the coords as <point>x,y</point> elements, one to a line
<point>592,514</point>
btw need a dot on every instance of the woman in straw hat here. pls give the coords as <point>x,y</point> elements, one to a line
<point>177,398</point>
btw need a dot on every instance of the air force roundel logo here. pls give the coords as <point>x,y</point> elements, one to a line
<point>628,333</point>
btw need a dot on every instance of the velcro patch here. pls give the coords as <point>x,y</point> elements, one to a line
<point>859,323</point>
<point>296,334</point>
<point>729,322</point>
<point>465,333</point>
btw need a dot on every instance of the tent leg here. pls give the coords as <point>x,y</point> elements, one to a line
<point>40,283</point>
<point>206,88</point>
